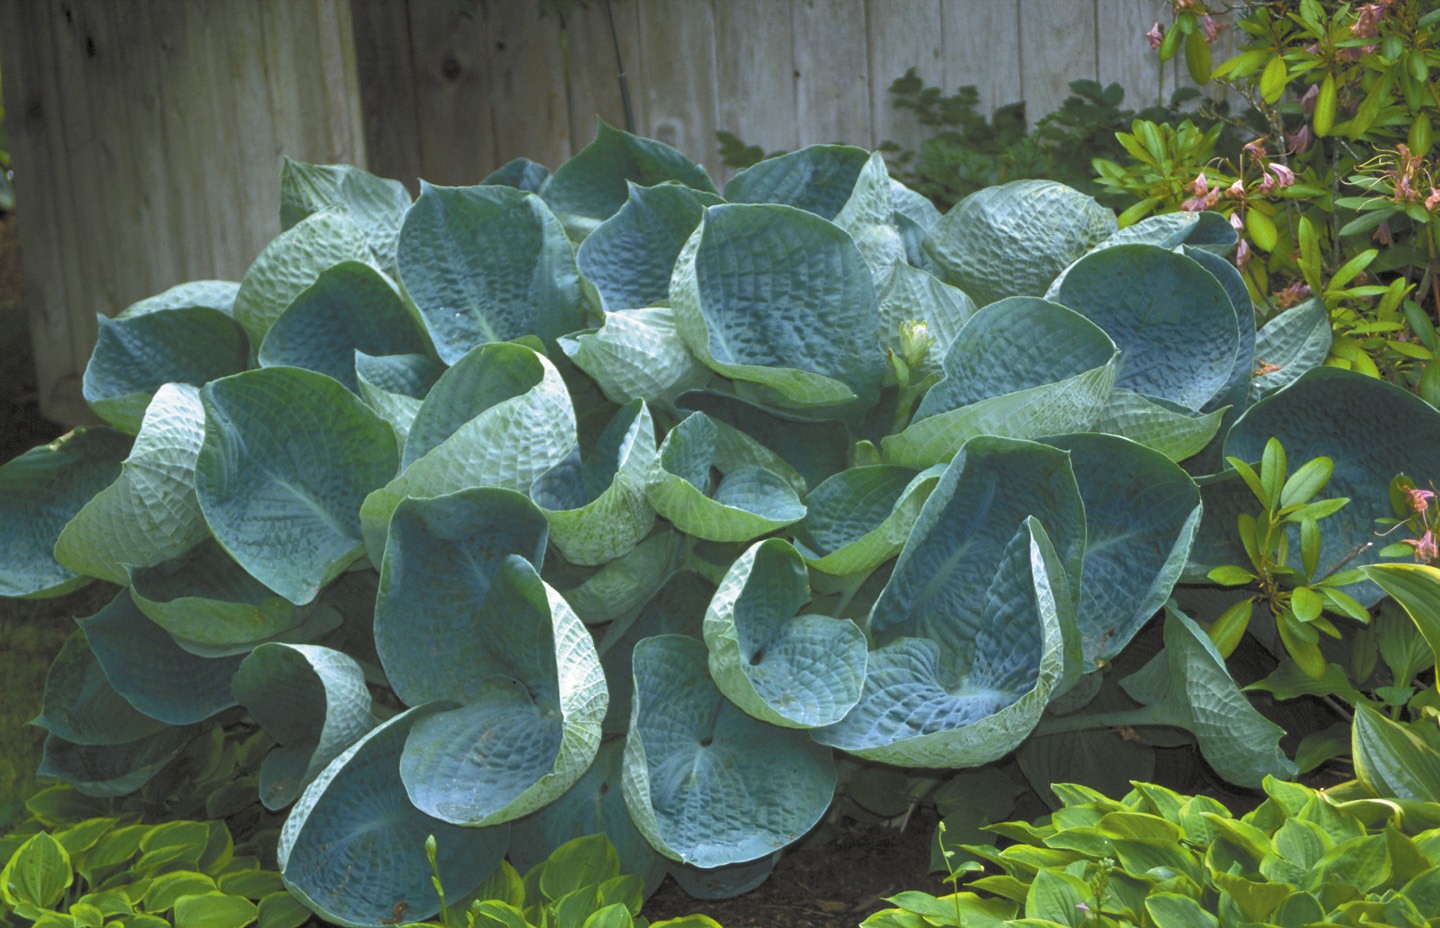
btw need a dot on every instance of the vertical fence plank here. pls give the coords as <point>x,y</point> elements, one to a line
<point>678,75</point>
<point>455,131</point>
<point>1125,55</point>
<point>1057,46</point>
<point>832,85</point>
<point>755,70</point>
<point>526,85</point>
<point>593,83</point>
<point>388,102</point>
<point>903,34</point>
<point>982,49</point>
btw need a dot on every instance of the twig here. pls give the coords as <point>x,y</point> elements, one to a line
<point>620,69</point>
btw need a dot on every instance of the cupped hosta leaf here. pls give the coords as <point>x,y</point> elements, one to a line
<point>636,354</point>
<point>1141,514</point>
<point>1020,368</point>
<point>629,257</point>
<point>41,491</point>
<point>216,294</point>
<point>312,701</point>
<point>594,184</point>
<point>149,514</point>
<point>869,218</point>
<point>136,355</point>
<point>594,805</point>
<point>520,173</point>
<point>1172,319</point>
<point>976,625</point>
<point>82,707</point>
<point>815,449</point>
<point>1371,429</point>
<point>376,205</point>
<point>1189,686</point>
<point>1391,760</point>
<point>350,308</point>
<point>443,556</point>
<point>859,519</point>
<point>288,457</point>
<point>707,784</point>
<point>152,672</point>
<point>913,296</point>
<point>395,385</point>
<point>1169,428</point>
<point>678,609</point>
<point>533,700</point>
<point>723,882</point>
<point>596,507</point>
<point>782,667</point>
<point>487,264</point>
<point>914,216</point>
<point>1013,240</point>
<point>105,770</point>
<point>1236,392</point>
<point>783,299</point>
<point>500,417</point>
<point>622,586</point>
<point>1290,344</point>
<point>210,604</point>
<point>818,179</point>
<point>290,263</point>
<point>354,846</point>
<point>1204,229</point>
<point>745,503</point>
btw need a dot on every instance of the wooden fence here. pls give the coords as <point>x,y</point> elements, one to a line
<point>147,135</point>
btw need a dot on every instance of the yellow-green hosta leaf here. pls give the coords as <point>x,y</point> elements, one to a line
<point>149,514</point>
<point>789,669</point>
<point>288,458</point>
<point>1392,761</point>
<point>37,874</point>
<point>1416,587</point>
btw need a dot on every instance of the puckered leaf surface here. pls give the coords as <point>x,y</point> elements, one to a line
<point>861,517</point>
<point>594,184</point>
<point>636,354</point>
<point>629,257</point>
<point>375,204</point>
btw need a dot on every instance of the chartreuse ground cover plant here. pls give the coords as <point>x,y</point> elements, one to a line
<point>599,501</point>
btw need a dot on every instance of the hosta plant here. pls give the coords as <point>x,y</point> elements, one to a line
<point>597,501</point>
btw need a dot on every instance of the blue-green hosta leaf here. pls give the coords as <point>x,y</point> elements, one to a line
<point>41,491</point>
<point>594,184</point>
<point>1141,515</point>
<point>1236,392</point>
<point>354,846</point>
<point>869,218</point>
<point>136,355</point>
<point>210,605</point>
<point>149,514</point>
<point>814,449</point>
<point>596,507</point>
<point>637,354</point>
<point>487,264</point>
<point>1169,428</point>
<point>1205,229</point>
<point>913,296</point>
<point>594,805</point>
<point>622,586</point>
<point>216,294</point>
<point>914,216</point>
<point>105,770</point>
<point>859,519</point>
<point>819,179</point>
<point>376,205</point>
<point>1290,344</point>
<point>288,457</point>
<point>629,257</point>
<point>1197,693</point>
<point>312,701</point>
<point>1014,239</point>
<point>520,173</point>
<point>976,625</point>
<point>1173,321</point>
<point>500,417</point>
<point>747,502</point>
<point>723,882</point>
<point>1020,368</point>
<point>152,672</point>
<point>678,609</point>
<point>788,669</point>
<point>395,385</point>
<point>350,308</point>
<point>82,707</point>
<point>290,263</point>
<point>443,557</point>
<point>1371,429</point>
<point>783,299</point>
<point>707,784</point>
<point>532,702</point>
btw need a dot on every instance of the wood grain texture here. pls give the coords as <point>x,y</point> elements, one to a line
<point>593,76</point>
<point>529,109</point>
<point>1125,57</point>
<point>982,49</point>
<point>832,81</point>
<point>1057,46</point>
<point>755,71</point>
<point>903,34</point>
<point>388,101</point>
<point>678,75</point>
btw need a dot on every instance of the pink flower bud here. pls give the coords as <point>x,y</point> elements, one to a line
<point>1155,36</point>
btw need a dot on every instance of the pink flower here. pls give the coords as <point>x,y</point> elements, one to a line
<point>1405,189</point>
<point>1433,200</point>
<point>1237,223</point>
<point>1307,102</point>
<point>1256,149</point>
<point>1425,548</point>
<point>1155,36</point>
<point>1283,175</point>
<point>1368,20</point>
<point>1301,141</point>
<point>1382,234</point>
<point>1204,197</point>
<point>1242,251</point>
<point>1419,499</point>
<point>1235,191</point>
<point>1293,294</point>
<point>1211,26</point>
